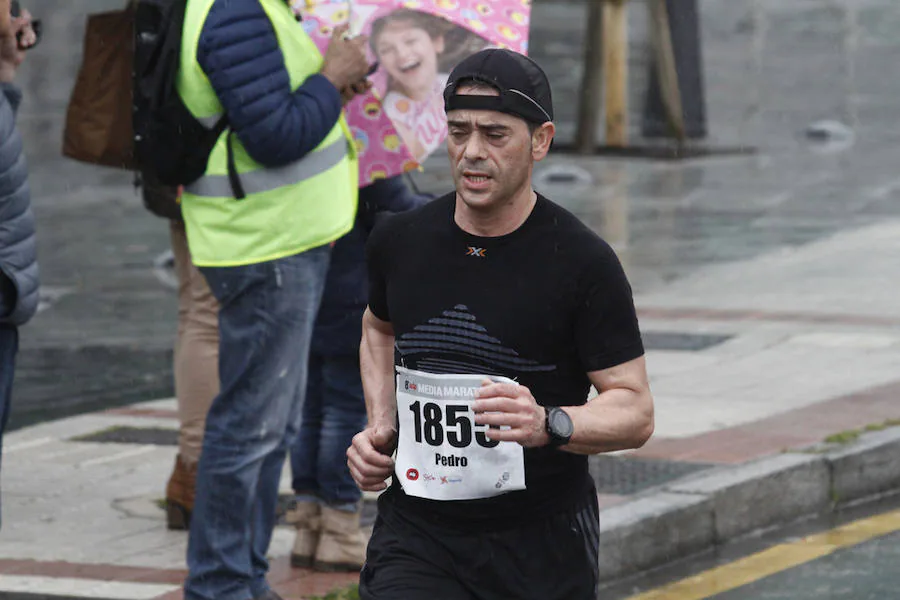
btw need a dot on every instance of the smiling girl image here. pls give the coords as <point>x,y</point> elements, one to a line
<point>416,51</point>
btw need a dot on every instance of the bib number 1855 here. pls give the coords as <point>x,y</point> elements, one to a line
<point>433,424</point>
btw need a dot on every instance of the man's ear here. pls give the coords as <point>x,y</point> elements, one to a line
<point>541,140</point>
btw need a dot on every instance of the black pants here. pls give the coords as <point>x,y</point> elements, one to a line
<point>554,558</point>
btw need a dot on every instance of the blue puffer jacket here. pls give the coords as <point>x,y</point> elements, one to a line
<point>240,55</point>
<point>339,323</point>
<point>18,248</point>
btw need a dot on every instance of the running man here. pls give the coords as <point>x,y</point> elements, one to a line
<point>491,313</point>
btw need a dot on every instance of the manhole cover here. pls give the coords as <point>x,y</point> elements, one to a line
<point>685,342</point>
<point>156,436</point>
<point>623,476</point>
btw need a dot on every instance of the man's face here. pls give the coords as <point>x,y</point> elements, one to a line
<point>491,154</point>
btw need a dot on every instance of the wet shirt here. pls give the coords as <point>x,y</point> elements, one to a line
<point>543,305</point>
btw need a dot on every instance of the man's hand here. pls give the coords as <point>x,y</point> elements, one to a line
<point>345,60</point>
<point>12,49</point>
<point>369,457</point>
<point>357,89</point>
<point>506,404</point>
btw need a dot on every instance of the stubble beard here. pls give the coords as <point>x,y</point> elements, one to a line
<point>507,186</point>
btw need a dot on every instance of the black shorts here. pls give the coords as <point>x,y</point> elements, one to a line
<point>553,559</point>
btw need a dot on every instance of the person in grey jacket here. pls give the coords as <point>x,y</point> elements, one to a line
<point>18,256</point>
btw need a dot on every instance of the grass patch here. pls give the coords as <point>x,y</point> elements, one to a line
<point>851,435</point>
<point>844,437</point>
<point>347,593</point>
<point>882,426</point>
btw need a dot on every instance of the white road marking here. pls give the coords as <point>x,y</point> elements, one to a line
<point>120,456</point>
<point>13,448</point>
<point>83,588</point>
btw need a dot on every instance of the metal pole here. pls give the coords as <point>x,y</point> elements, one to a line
<point>667,73</point>
<point>591,100</point>
<point>684,29</point>
<point>615,70</point>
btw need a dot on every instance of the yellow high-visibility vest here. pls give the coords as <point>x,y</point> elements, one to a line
<point>287,210</point>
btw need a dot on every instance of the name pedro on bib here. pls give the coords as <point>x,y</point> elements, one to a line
<point>441,453</point>
<point>450,461</point>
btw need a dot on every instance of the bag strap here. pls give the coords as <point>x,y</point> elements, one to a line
<point>237,188</point>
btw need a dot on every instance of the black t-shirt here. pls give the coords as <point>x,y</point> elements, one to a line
<point>543,305</point>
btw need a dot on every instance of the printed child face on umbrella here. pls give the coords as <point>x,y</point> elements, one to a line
<point>416,50</point>
<point>407,44</point>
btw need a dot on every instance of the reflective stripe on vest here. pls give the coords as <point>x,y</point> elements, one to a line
<point>211,121</point>
<point>265,180</point>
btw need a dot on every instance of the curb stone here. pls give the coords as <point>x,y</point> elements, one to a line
<point>630,532</point>
<point>708,509</point>
<point>867,468</point>
<point>762,493</point>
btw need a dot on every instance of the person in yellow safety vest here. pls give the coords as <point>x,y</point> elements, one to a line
<point>265,257</point>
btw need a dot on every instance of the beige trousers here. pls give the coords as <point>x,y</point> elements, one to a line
<point>196,349</point>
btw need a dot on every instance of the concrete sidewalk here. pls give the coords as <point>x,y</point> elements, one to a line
<point>750,362</point>
<point>82,504</point>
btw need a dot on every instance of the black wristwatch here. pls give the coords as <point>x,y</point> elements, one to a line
<point>559,426</point>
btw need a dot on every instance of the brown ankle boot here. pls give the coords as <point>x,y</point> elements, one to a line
<point>180,496</point>
<point>342,545</point>
<point>305,517</point>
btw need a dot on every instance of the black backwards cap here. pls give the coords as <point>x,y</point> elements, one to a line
<point>523,85</point>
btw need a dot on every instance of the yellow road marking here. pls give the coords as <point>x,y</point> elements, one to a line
<point>775,559</point>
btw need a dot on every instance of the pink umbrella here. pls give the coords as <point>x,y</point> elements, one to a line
<point>416,43</point>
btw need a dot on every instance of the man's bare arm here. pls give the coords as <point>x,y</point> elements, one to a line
<point>620,417</point>
<point>376,361</point>
<point>369,456</point>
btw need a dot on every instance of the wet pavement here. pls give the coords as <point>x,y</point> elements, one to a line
<point>864,572</point>
<point>849,556</point>
<point>773,67</point>
<point>104,335</point>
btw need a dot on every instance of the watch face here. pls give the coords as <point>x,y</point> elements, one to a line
<point>561,424</point>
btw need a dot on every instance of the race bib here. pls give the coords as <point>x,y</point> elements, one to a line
<point>441,453</point>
